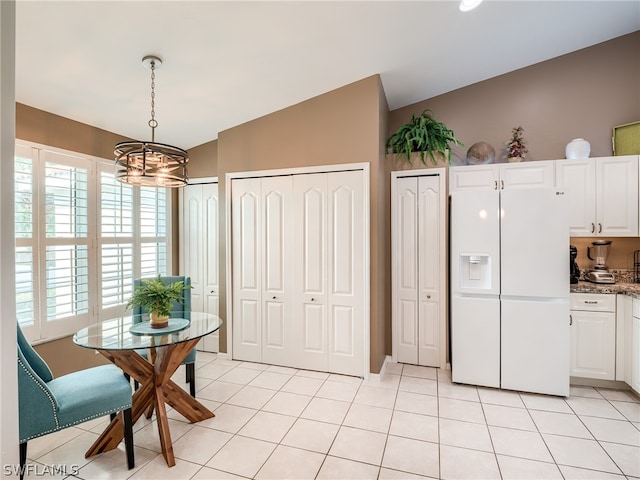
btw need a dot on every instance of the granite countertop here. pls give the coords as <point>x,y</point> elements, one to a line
<point>624,288</point>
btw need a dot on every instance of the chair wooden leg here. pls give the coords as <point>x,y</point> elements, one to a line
<point>190,369</point>
<point>128,437</point>
<point>23,458</point>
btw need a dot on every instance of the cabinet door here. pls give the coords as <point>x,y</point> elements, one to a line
<point>576,178</point>
<point>473,177</point>
<point>310,283</point>
<point>617,196</point>
<point>635,355</point>
<point>406,275</point>
<point>192,241</point>
<point>210,262</point>
<point>246,225</point>
<point>429,212</point>
<point>593,344</point>
<point>345,267</point>
<point>276,244</point>
<point>527,175</point>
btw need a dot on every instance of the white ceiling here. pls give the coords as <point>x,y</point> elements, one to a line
<point>225,63</point>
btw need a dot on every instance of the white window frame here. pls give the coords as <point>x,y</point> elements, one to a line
<point>43,330</point>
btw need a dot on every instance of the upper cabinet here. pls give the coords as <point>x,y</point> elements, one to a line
<point>603,195</point>
<point>502,175</point>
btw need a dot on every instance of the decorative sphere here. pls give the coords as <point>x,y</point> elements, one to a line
<point>480,153</point>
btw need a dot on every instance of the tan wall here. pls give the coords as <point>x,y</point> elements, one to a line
<point>582,94</point>
<point>338,127</point>
<point>203,160</point>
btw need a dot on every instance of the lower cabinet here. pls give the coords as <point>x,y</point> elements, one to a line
<point>635,347</point>
<point>593,336</point>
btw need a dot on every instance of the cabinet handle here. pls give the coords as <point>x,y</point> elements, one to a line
<point>313,299</point>
<point>570,320</point>
<point>593,228</point>
<point>495,184</point>
<point>213,291</point>
<point>501,184</point>
<point>428,296</point>
<point>591,302</point>
<point>599,228</point>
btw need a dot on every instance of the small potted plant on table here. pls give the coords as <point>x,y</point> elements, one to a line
<point>157,298</point>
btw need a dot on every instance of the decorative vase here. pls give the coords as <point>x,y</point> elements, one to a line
<point>577,148</point>
<point>514,159</point>
<point>158,321</point>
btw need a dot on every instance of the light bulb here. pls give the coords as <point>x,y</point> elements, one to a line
<point>468,5</point>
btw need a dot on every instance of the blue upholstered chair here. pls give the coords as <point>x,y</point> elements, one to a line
<point>47,404</point>
<point>184,309</point>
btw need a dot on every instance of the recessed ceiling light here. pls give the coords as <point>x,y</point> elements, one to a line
<point>467,5</point>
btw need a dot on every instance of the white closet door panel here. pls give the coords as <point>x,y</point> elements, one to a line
<point>210,242</point>
<point>193,247</point>
<point>429,334</point>
<point>428,244</point>
<point>407,264</point>
<point>309,279</point>
<point>246,265</point>
<point>345,227</point>
<point>276,289</point>
<point>311,193</point>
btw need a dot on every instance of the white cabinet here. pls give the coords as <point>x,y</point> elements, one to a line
<point>593,336</point>
<point>298,263</point>
<point>635,347</point>
<point>624,324</point>
<point>603,195</point>
<point>418,268</point>
<point>199,250</point>
<point>503,175</point>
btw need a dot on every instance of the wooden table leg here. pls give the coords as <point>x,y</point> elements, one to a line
<point>156,389</point>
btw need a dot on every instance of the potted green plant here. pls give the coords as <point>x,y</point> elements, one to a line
<point>156,297</point>
<point>516,149</point>
<point>423,134</point>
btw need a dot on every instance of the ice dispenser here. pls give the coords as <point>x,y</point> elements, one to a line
<point>475,270</point>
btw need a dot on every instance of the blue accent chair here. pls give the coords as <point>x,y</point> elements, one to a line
<point>47,404</point>
<point>183,308</point>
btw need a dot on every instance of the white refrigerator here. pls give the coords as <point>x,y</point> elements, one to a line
<point>510,289</point>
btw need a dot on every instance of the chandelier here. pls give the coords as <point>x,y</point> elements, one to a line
<point>149,163</point>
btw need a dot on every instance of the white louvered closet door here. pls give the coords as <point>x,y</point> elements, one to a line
<point>416,308</point>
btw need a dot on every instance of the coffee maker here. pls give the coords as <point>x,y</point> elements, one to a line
<point>574,272</point>
<point>599,253</point>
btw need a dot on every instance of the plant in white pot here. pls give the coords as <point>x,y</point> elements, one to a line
<point>157,298</point>
<point>425,135</point>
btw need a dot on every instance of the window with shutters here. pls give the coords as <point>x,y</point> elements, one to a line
<point>81,239</point>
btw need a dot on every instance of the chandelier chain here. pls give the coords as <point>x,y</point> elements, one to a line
<point>153,123</point>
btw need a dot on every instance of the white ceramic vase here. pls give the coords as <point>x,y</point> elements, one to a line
<point>578,148</point>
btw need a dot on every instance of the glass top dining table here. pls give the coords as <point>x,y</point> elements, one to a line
<point>120,341</point>
<point>117,334</point>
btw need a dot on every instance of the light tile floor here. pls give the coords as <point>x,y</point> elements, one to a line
<point>282,423</point>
